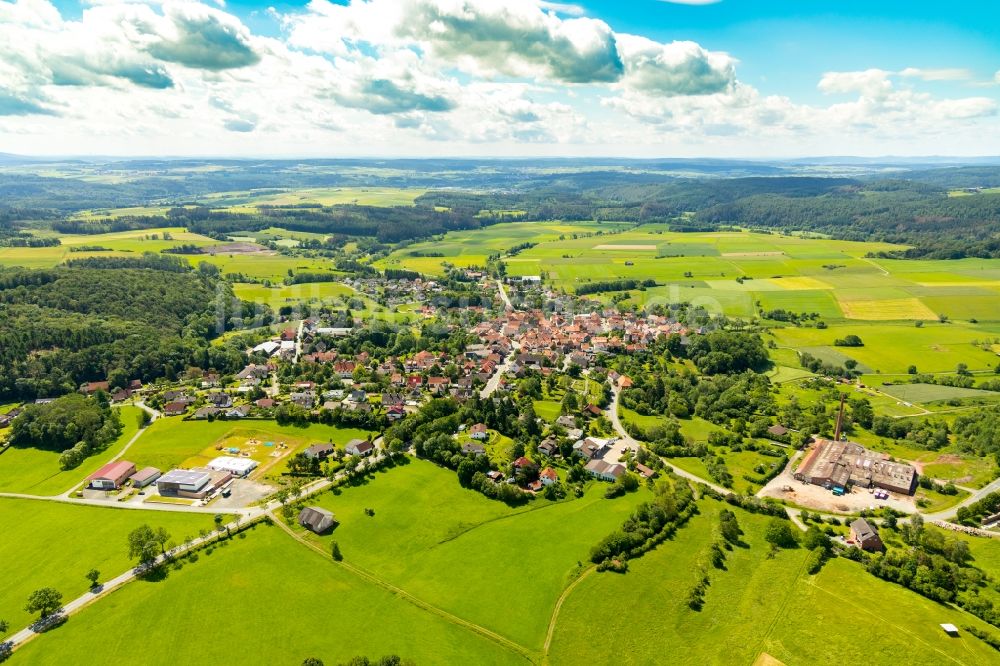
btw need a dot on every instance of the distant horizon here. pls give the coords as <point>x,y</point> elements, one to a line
<point>840,159</point>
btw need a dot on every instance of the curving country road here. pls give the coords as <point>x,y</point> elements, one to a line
<point>612,412</point>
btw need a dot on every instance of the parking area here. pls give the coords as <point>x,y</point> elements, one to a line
<point>817,498</point>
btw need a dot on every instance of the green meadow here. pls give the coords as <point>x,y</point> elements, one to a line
<point>285,294</point>
<point>36,472</point>
<point>500,567</point>
<point>261,597</point>
<point>755,605</point>
<point>890,348</point>
<point>53,544</point>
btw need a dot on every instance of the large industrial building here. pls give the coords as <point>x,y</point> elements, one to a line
<point>191,483</point>
<point>840,465</point>
<point>235,466</point>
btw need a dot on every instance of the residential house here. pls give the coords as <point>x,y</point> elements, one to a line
<point>865,535</point>
<point>522,462</point>
<point>591,447</point>
<point>359,447</point>
<point>479,431</point>
<point>392,399</point>
<point>566,421</point>
<point>320,451</point>
<point>549,447</point>
<point>437,385</point>
<point>306,399</point>
<point>220,400</point>
<point>174,408</point>
<point>549,477</point>
<point>474,448</point>
<point>645,472</point>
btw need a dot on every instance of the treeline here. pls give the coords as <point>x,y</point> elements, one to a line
<point>612,285</point>
<point>649,525</point>
<point>389,224</point>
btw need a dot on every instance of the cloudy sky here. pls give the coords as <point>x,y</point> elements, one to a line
<point>747,78</point>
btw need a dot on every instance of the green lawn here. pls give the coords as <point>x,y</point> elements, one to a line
<point>50,544</point>
<point>260,599</point>
<point>472,556</point>
<point>756,605</point>
<point>36,472</point>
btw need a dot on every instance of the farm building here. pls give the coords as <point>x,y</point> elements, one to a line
<point>604,470</point>
<point>838,465</point>
<point>235,466</point>
<point>144,477</point>
<point>865,535</point>
<point>359,447</point>
<point>317,519</point>
<point>111,476</point>
<point>777,430</point>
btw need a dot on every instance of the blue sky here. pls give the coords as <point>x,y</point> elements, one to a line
<point>751,78</point>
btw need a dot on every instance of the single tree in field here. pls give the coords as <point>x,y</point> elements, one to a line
<point>4,627</point>
<point>779,534</point>
<point>143,544</point>
<point>92,576</point>
<point>45,601</point>
<point>335,552</point>
<point>312,661</point>
<point>218,522</point>
<point>162,537</point>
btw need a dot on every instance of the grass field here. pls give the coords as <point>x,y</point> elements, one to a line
<point>474,557</point>
<point>892,348</point>
<point>920,393</point>
<point>963,470</point>
<point>172,442</point>
<point>286,294</point>
<point>327,196</point>
<point>757,605</point>
<point>235,603</point>
<point>76,539</point>
<point>36,472</point>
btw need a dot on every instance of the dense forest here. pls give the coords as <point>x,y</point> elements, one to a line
<point>387,224</point>
<point>146,318</point>
<point>912,207</point>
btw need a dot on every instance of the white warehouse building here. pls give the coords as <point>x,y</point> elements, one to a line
<point>235,466</point>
